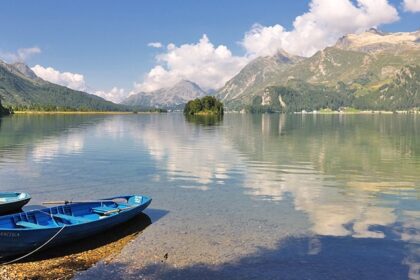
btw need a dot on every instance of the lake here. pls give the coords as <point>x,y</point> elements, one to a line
<point>247,197</point>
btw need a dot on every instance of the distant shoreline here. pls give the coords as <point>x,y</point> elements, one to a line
<point>367,112</point>
<point>78,113</point>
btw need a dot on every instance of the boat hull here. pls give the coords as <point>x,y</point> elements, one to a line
<point>18,242</point>
<point>14,206</point>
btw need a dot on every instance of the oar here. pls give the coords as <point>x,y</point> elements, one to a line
<point>71,201</point>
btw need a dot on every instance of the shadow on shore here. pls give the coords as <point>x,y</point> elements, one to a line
<point>314,258</point>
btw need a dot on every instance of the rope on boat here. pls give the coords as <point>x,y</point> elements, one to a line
<point>58,232</point>
<point>37,249</point>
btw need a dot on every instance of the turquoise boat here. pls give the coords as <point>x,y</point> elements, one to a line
<point>12,201</point>
<point>30,231</point>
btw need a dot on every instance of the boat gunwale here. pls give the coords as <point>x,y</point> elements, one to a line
<point>27,197</point>
<point>45,228</point>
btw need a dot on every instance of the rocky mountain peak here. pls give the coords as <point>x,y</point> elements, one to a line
<point>173,97</point>
<point>284,57</point>
<point>186,84</point>
<point>373,40</point>
<point>21,69</point>
<point>25,70</point>
<point>375,31</point>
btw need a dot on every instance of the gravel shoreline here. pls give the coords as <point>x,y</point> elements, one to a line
<point>63,262</point>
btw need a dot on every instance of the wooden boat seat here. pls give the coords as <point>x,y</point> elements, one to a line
<point>29,225</point>
<point>124,204</point>
<point>72,219</point>
<point>105,210</point>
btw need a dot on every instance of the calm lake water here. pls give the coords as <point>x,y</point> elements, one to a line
<point>248,197</point>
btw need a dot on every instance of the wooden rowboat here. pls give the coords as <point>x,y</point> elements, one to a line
<point>12,201</point>
<point>28,231</point>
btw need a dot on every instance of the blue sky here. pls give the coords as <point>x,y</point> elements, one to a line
<point>107,41</point>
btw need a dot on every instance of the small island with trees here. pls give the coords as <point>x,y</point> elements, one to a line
<point>208,105</point>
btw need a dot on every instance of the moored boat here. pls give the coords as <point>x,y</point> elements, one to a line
<point>28,231</point>
<point>12,201</point>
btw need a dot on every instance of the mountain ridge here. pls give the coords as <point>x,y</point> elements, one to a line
<point>356,65</point>
<point>21,89</point>
<point>174,97</point>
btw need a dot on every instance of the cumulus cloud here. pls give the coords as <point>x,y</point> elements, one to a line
<point>77,82</point>
<point>21,55</point>
<point>71,80</point>
<point>324,23</point>
<point>157,45</point>
<point>115,95</point>
<point>211,66</point>
<point>203,63</point>
<point>412,5</point>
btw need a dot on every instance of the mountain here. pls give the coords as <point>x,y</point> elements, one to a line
<point>174,97</point>
<point>376,41</point>
<point>359,65</point>
<point>254,77</point>
<point>21,89</point>
<point>20,68</point>
<point>402,92</point>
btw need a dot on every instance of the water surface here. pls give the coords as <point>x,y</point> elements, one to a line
<point>246,197</point>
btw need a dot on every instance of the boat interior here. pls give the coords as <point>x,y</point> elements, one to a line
<point>69,214</point>
<point>10,197</point>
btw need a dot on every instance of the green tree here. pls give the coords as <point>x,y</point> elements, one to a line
<point>207,105</point>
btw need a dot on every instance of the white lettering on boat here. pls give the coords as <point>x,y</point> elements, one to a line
<point>9,234</point>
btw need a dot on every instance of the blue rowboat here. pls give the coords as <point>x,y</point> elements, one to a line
<point>12,201</point>
<point>25,232</point>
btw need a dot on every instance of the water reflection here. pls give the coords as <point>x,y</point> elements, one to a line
<point>71,143</point>
<point>197,156</point>
<point>332,178</point>
<point>43,136</point>
<point>204,119</point>
<point>347,173</point>
<point>337,169</point>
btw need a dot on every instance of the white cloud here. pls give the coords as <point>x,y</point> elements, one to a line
<point>211,66</point>
<point>77,82</point>
<point>21,55</point>
<point>115,95</point>
<point>412,5</point>
<point>264,40</point>
<point>203,63</point>
<point>324,23</point>
<point>157,45</point>
<point>71,80</point>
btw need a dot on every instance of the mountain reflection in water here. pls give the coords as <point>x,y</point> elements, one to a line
<point>261,180</point>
